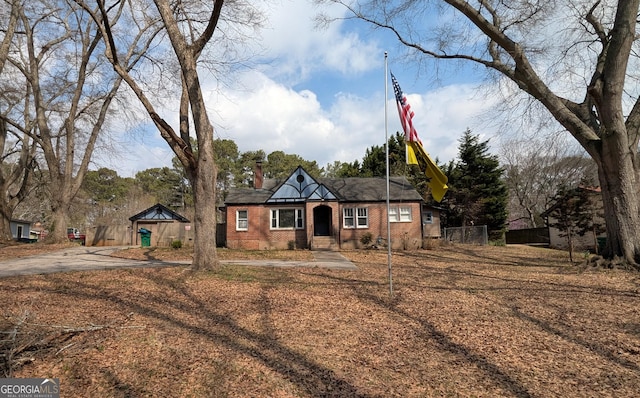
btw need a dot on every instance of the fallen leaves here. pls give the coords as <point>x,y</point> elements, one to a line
<point>463,321</point>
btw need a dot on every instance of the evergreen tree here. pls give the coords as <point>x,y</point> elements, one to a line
<point>164,183</point>
<point>477,194</point>
<point>280,165</point>
<point>246,166</point>
<point>374,163</point>
<point>227,163</point>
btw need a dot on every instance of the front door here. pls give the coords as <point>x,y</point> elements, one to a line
<point>322,221</point>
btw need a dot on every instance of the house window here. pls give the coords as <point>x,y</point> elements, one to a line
<point>287,219</point>
<point>242,220</point>
<point>347,218</point>
<point>405,214</point>
<point>363,218</point>
<point>427,217</point>
<point>400,214</point>
<point>355,217</point>
<point>393,214</point>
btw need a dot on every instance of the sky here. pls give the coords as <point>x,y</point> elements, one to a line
<point>320,94</point>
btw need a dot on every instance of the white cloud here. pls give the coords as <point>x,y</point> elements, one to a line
<point>292,36</point>
<point>263,111</point>
<point>136,155</point>
<point>273,117</point>
<point>442,115</point>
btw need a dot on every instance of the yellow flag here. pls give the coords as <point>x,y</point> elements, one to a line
<point>437,179</point>
<point>411,155</point>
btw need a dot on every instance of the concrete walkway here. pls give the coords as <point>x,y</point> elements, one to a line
<point>86,258</point>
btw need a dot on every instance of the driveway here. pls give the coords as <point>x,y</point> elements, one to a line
<point>86,258</point>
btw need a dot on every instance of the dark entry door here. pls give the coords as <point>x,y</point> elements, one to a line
<point>322,221</point>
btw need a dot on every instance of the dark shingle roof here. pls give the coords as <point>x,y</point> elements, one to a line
<point>247,196</point>
<point>371,189</point>
<point>346,190</point>
<point>158,212</point>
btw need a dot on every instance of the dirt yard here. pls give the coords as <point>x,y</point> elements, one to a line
<point>463,321</point>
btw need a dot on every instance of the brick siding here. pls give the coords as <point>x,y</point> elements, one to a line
<point>259,236</point>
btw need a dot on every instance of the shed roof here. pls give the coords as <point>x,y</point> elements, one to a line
<point>158,212</point>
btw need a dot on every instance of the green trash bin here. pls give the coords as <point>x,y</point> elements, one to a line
<point>145,237</point>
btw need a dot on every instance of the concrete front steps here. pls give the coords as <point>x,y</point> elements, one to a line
<point>324,243</point>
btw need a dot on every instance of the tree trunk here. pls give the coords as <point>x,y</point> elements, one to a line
<point>57,232</point>
<point>618,182</point>
<point>5,224</point>
<point>204,222</point>
<point>570,242</point>
<point>204,192</point>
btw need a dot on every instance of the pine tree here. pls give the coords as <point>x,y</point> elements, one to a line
<point>477,194</point>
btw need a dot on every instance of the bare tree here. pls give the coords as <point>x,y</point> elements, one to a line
<point>189,27</point>
<point>17,166</point>
<point>535,169</point>
<point>68,89</point>
<point>17,148</point>
<point>574,58</point>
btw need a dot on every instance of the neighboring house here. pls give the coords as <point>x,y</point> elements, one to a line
<point>21,229</point>
<point>326,213</point>
<point>592,238</point>
<point>164,224</point>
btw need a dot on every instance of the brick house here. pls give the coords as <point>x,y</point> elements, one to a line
<point>325,213</point>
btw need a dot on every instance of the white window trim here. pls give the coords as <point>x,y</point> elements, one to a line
<point>355,217</point>
<point>238,228</point>
<point>346,217</point>
<point>298,218</point>
<point>365,217</point>
<point>408,211</point>
<point>427,217</point>
<point>396,214</point>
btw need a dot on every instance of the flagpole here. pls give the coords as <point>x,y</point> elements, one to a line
<point>386,146</point>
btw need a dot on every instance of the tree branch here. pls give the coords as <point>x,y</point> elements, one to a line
<point>204,38</point>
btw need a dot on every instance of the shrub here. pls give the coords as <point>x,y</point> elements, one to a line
<point>431,243</point>
<point>366,238</point>
<point>176,244</point>
<point>291,244</point>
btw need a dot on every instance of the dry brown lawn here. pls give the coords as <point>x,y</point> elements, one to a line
<point>463,321</point>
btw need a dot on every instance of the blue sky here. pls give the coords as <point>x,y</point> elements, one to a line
<point>320,94</point>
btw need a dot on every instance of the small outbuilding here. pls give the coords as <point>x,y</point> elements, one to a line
<point>160,226</point>
<point>21,230</point>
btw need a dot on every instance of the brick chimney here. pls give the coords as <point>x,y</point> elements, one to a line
<point>258,177</point>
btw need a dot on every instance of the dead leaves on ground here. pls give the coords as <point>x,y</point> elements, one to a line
<point>463,321</point>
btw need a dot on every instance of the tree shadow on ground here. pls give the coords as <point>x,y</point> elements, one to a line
<point>611,354</point>
<point>453,255</point>
<point>430,332</point>
<point>308,376</point>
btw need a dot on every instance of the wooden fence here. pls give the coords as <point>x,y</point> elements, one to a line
<point>530,236</point>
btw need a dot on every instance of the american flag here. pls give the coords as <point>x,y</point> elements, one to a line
<point>405,112</point>
<point>414,149</point>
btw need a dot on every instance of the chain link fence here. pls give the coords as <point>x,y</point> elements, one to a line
<point>474,235</point>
